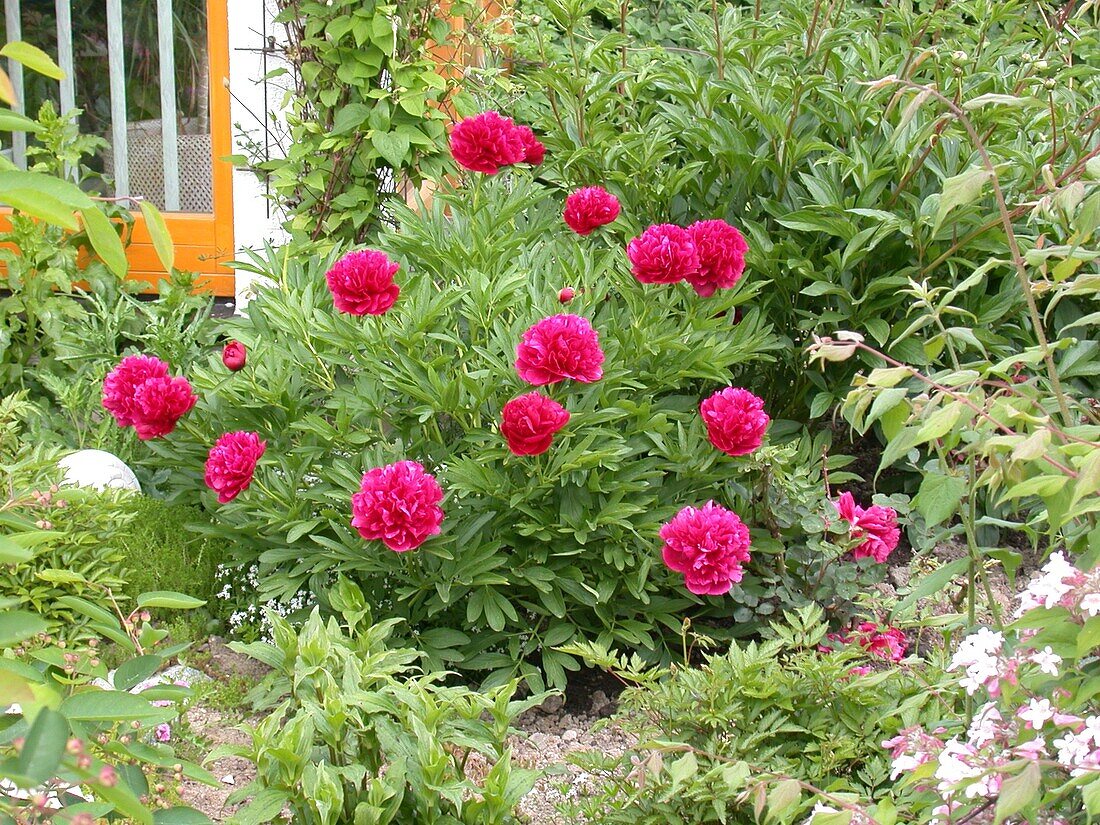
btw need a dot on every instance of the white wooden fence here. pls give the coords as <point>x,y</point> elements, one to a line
<point>117,71</point>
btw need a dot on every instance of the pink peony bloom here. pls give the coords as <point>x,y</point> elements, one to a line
<point>361,283</point>
<point>486,142</point>
<point>589,208</point>
<point>533,151</point>
<point>399,505</point>
<point>560,347</point>
<point>663,254</point>
<point>529,422</point>
<point>234,355</point>
<point>159,404</point>
<point>232,463</point>
<point>708,546</point>
<point>121,383</point>
<point>735,420</point>
<point>721,251</point>
<point>877,526</point>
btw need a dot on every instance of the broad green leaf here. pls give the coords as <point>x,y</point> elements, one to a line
<point>41,206</point>
<point>161,237</point>
<point>939,423</point>
<point>1043,486</point>
<point>14,122</point>
<point>961,190</point>
<point>888,376</point>
<point>1017,792</point>
<point>1000,100</point>
<point>133,671</point>
<point>683,768</point>
<point>783,796</point>
<point>1088,477</point>
<point>105,240</point>
<point>391,146</point>
<point>19,625</point>
<point>939,496</point>
<point>169,599</point>
<point>44,747</point>
<point>107,705</point>
<point>56,576</point>
<point>884,402</point>
<point>12,552</point>
<point>180,816</point>
<point>58,189</point>
<point>33,58</point>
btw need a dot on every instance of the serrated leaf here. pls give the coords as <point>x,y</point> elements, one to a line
<point>939,496</point>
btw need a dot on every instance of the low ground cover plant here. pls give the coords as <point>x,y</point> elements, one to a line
<point>355,731</point>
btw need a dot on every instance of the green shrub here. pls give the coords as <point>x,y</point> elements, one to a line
<point>840,190</point>
<point>535,551</point>
<point>356,733</point>
<point>755,717</point>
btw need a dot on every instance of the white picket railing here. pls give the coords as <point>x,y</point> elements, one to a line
<point>117,73</point>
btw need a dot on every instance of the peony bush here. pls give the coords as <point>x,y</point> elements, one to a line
<point>425,419</point>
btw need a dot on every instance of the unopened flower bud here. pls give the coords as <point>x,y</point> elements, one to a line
<point>566,294</point>
<point>108,776</point>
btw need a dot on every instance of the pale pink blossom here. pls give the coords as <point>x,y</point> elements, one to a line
<point>1047,660</point>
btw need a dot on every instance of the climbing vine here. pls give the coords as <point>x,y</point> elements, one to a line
<point>373,86</point>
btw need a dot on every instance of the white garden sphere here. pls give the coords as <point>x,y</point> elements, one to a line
<point>98,469</point>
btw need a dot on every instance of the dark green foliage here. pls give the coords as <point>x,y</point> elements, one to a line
<point>836,184</point>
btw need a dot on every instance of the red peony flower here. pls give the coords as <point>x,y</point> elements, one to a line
<point>884,642</point>
<point>399,505</point>
<point>529,422</point>
<point>159,403</point>
<point>566,294</point>
<point>589,208</point>
<point>486,142</point>
<point>560,347</point>
<point>663,254</point>
<point>533,150</point>
<point>234,355</point>
<point>721,251</point>
<point>735,420</point>
<point>877,526</point>
<point>121,382</point>
<point>709,546</point>
<point>361,283</point>
<point>232,463</point>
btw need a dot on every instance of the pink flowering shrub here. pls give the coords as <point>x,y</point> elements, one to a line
<point>503,472</point>
<point>1034,726</point>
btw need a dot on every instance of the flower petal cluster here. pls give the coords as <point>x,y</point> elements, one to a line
<point>877,526</point>
<point>488,141</point>
<point>398,505</point>
<point>232,463</point>
<point>708,545</point>
<point>735,420</point>
<point>362,283</point>
<point>663,254</point>
<point>529,423</point>
<point>721,248</point>
<point>589,208</point>
<point>140,393</point>
<point>234,356</point>
<point>558,348</point>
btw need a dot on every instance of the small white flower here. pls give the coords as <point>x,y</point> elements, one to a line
<point>1047,660</point>
<point>1091,603</point>
<point>1036,713</point>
